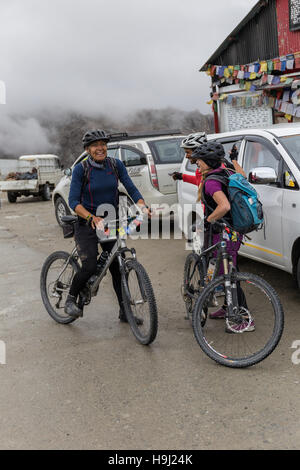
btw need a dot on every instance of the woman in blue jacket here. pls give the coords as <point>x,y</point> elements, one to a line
<point>101,188</point>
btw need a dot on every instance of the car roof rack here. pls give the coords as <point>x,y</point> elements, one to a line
<point>114,137</point>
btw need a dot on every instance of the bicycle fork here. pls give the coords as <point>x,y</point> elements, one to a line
<point>231,294</point>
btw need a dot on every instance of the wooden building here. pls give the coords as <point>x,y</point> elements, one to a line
<point>255,72</point>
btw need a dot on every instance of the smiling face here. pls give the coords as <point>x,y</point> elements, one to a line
<point>98,150</point>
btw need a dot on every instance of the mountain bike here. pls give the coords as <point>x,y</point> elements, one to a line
<point>253,319</point>
<point>138,296</point>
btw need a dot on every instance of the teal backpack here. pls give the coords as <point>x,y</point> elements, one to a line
<point>246,209</point>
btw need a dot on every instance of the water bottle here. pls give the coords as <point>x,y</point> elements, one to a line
<point>213,301</point>
<point>211,269</point>
<point>134,225</point>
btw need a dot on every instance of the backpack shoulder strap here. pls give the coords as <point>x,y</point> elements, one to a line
<point>85,178</point>
<point>114,166</point>
<point>222,177</point>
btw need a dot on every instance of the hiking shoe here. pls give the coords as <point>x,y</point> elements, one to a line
<point>71,308</point>
<point>243,327</point>
<point>218,314</point>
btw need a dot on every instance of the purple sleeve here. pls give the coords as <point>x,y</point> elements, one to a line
<point>211,187</point>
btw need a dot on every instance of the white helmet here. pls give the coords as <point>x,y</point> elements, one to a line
<point>193,141</point>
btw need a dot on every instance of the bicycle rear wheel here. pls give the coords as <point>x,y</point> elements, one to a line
<point>55,284</point>
<point>139,302</point>
<point>251,334</point>
<point>193,282</point>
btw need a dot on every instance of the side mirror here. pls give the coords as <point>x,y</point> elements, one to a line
<point>263,175</point>
<point>68,171</point>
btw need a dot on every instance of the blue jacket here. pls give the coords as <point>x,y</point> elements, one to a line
<point>102,186</point>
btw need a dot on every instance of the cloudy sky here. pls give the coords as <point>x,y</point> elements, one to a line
<point>111,55</point>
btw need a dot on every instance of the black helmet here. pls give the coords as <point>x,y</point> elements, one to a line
<point>212,153</point>
<point>93,136</point>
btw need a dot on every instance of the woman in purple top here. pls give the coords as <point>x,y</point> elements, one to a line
<point>212,193</point>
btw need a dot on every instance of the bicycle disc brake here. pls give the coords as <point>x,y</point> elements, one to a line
<point>243,318</point>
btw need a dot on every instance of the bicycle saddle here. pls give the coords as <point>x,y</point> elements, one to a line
<point>69,219</point>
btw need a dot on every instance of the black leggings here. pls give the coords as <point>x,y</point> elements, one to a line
<point>87,246</point>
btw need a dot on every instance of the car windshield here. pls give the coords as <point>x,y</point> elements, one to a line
<point>167,150</point>
<point>292,144</point>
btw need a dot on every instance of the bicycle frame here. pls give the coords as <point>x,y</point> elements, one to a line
<point>118,250</point>
<point>222,256</point>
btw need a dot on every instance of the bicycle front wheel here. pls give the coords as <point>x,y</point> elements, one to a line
<point>55,281</point>
<point>248,336</point>
<point>139,302</point>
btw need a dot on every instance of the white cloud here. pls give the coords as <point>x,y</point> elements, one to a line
<point>91,55</point>
<point>21,136</point>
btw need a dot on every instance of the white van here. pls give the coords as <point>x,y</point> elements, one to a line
<point>148,158</point>
<point>273,156</point>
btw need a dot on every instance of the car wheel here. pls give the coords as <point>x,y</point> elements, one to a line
<point>298,273</point>
<point>46,192</point>
<point>61,209</point>
<point>11,196</point>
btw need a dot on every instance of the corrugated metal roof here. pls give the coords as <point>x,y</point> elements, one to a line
<point>255,38</point>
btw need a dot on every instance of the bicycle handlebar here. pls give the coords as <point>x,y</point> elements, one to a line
<point>222,225</point>
<point>113,223</point>
<point>219,224</point>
